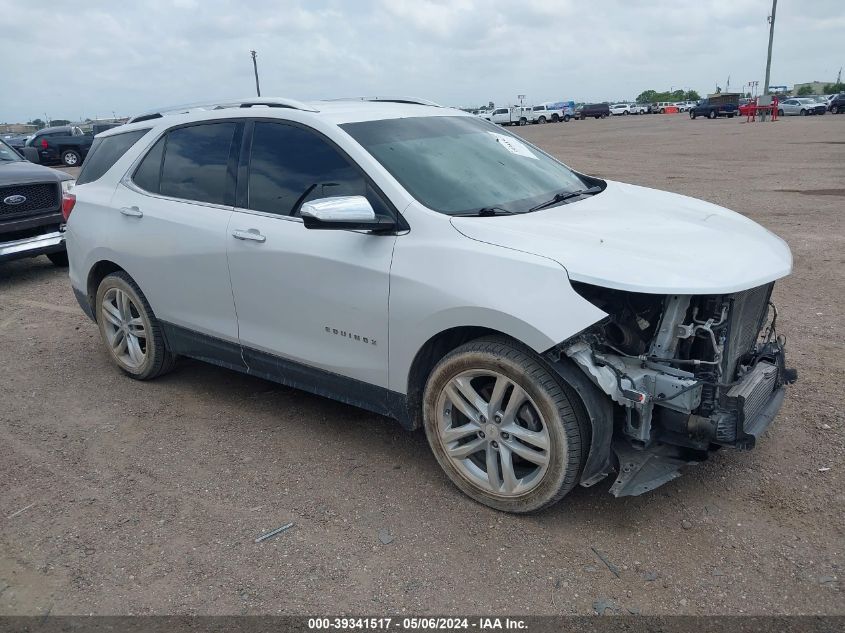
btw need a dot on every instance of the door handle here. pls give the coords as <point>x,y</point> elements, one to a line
<point>132,212</point>
<point>250,234</point>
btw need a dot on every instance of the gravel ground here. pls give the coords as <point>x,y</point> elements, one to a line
<point>124,497</point>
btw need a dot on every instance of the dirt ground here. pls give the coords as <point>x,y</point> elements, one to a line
<point>124,497</point>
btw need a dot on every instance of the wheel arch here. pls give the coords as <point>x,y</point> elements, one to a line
<point>99,271</point>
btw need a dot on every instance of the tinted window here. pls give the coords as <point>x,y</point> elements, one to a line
<point>196,161</point>
<point>105,152</point>
<point>148,174</point>
<point>289,165</point>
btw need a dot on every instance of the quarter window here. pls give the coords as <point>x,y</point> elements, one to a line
<point>196,161</point>
<point>289,166</point>
<point>148,174</point>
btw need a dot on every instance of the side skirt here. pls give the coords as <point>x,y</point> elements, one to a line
<point>287,372</point>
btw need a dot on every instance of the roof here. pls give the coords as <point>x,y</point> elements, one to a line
<point>336,111</point>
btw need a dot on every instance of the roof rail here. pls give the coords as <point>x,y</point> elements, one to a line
<point>220,105</point>
<point>408,100</point>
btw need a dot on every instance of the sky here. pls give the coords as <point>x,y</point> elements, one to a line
<point>93,58</point>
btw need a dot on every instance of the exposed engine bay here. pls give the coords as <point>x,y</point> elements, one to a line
<point>689,374</point>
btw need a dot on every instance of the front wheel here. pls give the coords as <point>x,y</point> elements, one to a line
<point>662,111</point>
<point>58,259</point>
<point>692,114</point>
<point>71,158</point>
<point>566,118</point>
<point>555,118</point>
<point>130,330</point>
<point>803,113</point>
<point>541,120</point>
<point>506,431</point>
<point>711,114</point>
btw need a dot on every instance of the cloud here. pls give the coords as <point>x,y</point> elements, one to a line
<point>128,57</point>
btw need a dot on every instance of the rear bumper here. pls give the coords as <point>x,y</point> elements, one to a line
<point>42,244</point>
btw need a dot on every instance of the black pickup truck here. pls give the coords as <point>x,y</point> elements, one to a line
<point>716,105</point>
<point>64,144</point>
<point>31,221</point>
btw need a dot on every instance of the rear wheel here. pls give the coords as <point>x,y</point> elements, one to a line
<point>662,110</point>
<point>505,430</point>
<point>128,327</point>
<point>711,114</point>
<point>542,119</point>
<point>71,158</point>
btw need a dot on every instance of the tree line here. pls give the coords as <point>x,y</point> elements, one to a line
<point>652,96</point>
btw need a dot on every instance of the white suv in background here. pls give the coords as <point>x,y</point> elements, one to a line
<point>618,109</point>
<point>544,327</point>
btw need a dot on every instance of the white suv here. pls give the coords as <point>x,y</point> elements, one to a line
<point>545,327</point>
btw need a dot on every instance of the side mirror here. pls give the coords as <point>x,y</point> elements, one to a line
<point>341,212</point>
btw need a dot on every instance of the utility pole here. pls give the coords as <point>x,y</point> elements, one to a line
<point>771,37</point>
<point>255,68</point>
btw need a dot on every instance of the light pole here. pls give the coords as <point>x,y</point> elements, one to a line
<point>771,37</point>
<point>255,68</point>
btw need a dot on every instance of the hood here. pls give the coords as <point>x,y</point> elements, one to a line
<point>643,240</point>
<point>23,172</point>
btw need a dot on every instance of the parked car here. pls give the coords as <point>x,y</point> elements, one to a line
<point>31,220</point>
<point>592,110</point>
<point>351,268</point>
<point>837,104</point>
<point>715,106</point>
<point>16,141</point>
<point>63,144</point>
<point>639,108</point>
<point>619,109</point>
<point>800,106</point>
<point>661,106</point>
<point>681,105</point>
<point>549,112</point>
<point>513,115</point>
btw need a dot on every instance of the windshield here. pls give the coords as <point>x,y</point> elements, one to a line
<point>461,164</point>
<point>7,154</point>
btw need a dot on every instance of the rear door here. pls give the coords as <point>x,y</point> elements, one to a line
<point>317,298</point>
<point>173,212</point>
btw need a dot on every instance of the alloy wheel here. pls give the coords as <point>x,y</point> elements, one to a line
<point>493,433</point>
<point>125,328</point>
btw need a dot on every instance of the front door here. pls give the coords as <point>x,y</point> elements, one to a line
<point>313,298</point>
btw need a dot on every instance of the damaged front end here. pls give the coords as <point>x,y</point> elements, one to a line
<point>687,375</point>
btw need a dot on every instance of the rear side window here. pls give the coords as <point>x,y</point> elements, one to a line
<point>105,152</point>
<point>196,162</point>
<point>289,166</point>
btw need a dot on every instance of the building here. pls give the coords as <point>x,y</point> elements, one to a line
<point>816,87</point>
<point>17,128</point>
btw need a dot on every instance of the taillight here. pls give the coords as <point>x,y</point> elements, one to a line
<point>68,200</point>
<point>44,143</point>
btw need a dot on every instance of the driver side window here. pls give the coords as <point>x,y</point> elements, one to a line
<point>289,166</point>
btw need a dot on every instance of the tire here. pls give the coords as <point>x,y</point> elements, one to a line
<point>140,361</point>
<point>803,112</point>
<point>692,114</point>
<point>780,112</point>
<point>555,118</point>
<point>541,120</point>
<point>541,440</point>
<point>58,259</point>
<point>71,158</point>
<point>566,118</point>
<point>711,114</point>
<point>625,113</point>
<point>730,115</point>
<point>662,110</point>
<point>523,121</point>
